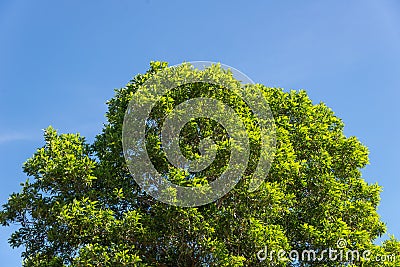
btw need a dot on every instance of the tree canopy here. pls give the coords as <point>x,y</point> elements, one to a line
<point>82,207</point>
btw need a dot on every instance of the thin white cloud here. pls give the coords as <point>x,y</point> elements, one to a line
<point>11,137</point>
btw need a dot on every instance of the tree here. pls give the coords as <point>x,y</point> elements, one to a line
<point>82,207</point>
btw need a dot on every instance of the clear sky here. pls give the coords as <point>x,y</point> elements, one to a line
<point>61,60</point>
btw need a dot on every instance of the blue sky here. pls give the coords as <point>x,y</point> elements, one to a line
<point>60,61</point>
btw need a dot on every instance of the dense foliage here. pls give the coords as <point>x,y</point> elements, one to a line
<point>81,207</point>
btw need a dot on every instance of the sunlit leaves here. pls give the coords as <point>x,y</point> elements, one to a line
<point>81,207</point>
